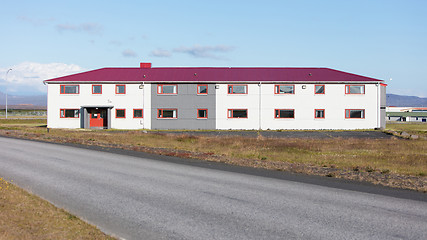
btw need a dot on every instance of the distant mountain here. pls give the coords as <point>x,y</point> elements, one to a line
<point>37,100</point>
<point>405,101</point>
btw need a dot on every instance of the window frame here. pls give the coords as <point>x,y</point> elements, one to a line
<point>278,85</point>
<point>201,109</point>
<point>117,85</point>
<point>232,86</point>
<point>285,109</point>
<point>137,109</point>
<point>124,112</point>
<point>349,113</point>
<point>160,89</point>
<point>207,89</point>
<point>96,85</point>
<point>324,89</point>
<point>234,109</point>
<point>69,85</point>
<point>315,115</point>
<point>347,89</point>
<point>163,109</point>
<point>65,109</point>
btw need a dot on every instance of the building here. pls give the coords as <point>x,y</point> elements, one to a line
<point>216,98</point>
<point>406,114</point>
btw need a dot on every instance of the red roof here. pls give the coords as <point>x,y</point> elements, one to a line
<point>205,74</point>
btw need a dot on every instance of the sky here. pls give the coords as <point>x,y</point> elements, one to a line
<point>386,39</point>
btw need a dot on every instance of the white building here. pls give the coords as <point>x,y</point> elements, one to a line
<point>216,98</point>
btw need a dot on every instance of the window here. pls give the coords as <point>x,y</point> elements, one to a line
<point>355,113</point>
<point>319,89</point>
<point>202,89</point>
<point>237,89</point>
<point>354,89</point>
<point>319,113</point>
<point>202,113</point>
<point>237,113</point>
<point>284,113</point>
<point>167,113</point>
<point>167,89</point>
<point>69,113</point>
<point>69,89</point>
<point>96,89</point>
<point>120,89</point>
<point>120,113</point>
<point>138,113</point>
<point>284,89</point>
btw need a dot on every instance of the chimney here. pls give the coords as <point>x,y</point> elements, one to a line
<point>145,65</point>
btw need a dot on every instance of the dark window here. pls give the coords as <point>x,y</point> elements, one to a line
<point>69,113</point>
<point>96,89</point>
<point>319,113</point>
<point>167,113</point>
<point>284,113</point>
<point>69,89</point>
<point>320,89</point>
<point>167,89</point>
<point>120,113</point>
<point>138,113</point>
<point>120,89</point>
<point>284,89</point>
<point>237,113</point>
<point>202,89</point>
<point>355,89</point>
<point>202,113</point>
<point>354,113</point>
<point>237,89</point>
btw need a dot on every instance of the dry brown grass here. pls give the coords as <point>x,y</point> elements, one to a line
<point>416,128</point>
<point>388,155</point>
<point>25,216</point>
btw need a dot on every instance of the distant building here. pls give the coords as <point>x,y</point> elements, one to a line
<point>406,114</point>
<point>216,98</point>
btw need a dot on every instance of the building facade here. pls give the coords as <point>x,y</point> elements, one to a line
<point>406,114</point>
<point>216,98</point>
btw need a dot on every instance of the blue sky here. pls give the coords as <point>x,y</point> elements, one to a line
<point>380,39</point>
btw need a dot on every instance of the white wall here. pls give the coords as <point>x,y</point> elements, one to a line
<point>304,102</point>
<point>133,99</point>
<point>225,101</point>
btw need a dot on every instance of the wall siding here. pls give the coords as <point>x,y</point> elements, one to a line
<point>187,102</point>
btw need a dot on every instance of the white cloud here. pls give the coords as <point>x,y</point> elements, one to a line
<point>115,43</point>
<point>129,53</point>
<point>36,21</point>
<point>161,53</point>
<point>91,28</point>
<point>28,77</point>
<point>205,51</point>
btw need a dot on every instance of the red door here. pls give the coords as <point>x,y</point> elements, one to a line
<point>96,118</point>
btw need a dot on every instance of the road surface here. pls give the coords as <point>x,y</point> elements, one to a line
<point>144,198</point>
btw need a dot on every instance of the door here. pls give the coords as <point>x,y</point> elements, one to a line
<point>97,118</point>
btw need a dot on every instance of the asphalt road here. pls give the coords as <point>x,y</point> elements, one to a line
<point>141,198</point>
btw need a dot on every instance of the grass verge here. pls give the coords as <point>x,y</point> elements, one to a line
<point>412,128</point>
<point>25,216</point>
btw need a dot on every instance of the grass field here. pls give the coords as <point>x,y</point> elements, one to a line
<point>411,128</point>
<point>25,216</point>
<point>23,113</point>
